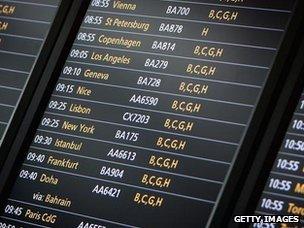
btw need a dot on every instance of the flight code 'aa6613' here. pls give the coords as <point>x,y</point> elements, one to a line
<point>122,154</point>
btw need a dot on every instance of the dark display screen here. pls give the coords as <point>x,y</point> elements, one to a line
<point>24,26</point>
<point>148,114</point>
<point>283,193</point>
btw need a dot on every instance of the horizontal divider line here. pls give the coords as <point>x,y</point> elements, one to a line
<point>150,110</point>
<point>22,37</point>
<point>299,114</point>
<point>68,212</point>
<point>10,88</point>
<point>31,3</point>
<point>132,146</point>
<point>121,183</point>
<point>25,20</point>
<point>164,74</point>
<point>283,195</point>
<point>24,222</point>
<point>292,155</point>
<point>14,71</point>
<point>230,6</point>
<point>295,134</point>
<point>182,38</point>
<point>129,165</point>
<point>18,53</point>
<point>189,20</point>
<point>286,174</point>
<point>263,213</point>
<point>156,92</point>
<point>7,105</point>
<point>141,128</point>
<point>173,56</point>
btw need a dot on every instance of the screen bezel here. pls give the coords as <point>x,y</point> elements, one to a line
<point>38,102</point>
<point>274,136</point>
<point>52,72</point>
<point>33,80</point>
<point>246,155</point>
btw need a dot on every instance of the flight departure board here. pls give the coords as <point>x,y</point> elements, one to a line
<point>24,26</point>
<point>283,193</point>
<point>149,113</point>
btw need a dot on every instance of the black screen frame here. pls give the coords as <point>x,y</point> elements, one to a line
<point>275,83</point>
<point>33,80</point>
<point>274,136</point>
<point>39,100</point>
<point>52,72</point>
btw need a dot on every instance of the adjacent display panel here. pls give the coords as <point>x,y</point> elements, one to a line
<point>24,26</point>
<point>283,193</point>
<point>148,114</point>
